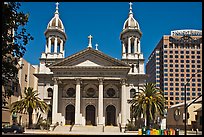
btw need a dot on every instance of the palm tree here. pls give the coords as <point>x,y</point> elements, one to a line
<point>150,102</point>
<point>30,102</point>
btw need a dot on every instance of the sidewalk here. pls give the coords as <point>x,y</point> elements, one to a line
<point>38,131</point>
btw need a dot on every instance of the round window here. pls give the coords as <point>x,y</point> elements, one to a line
<point>90,92</point>
<point>111,92</point>
<point>71,92</point>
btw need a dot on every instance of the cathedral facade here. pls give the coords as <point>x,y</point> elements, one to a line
<point>90,87</point>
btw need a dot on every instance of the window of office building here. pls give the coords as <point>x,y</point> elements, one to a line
<point>188,98</point>
<point>176,61</point>
<point>198,61</point>
<point>177,84</point>
<point>177,89</point>
<point>182,75</point>
<point>171,93</point>
<point>181,52</point>
<point>187,75</point>
<point>192,52</point>
<point>187,70</point>
<point>192,57</point>
<point>192,61</point>
<point>182,56</point>
<point>187,52</point>
<point>171,89</point>
<point>198,52</point>
<point>165,93</point>
<point>182,61</point>
<point>198,57</point>
<point>176,52</point>
<point>193,94</point>
<point>187,61</point>
<point>171,98</point>
<point>177,98</point>
<point>187,66</point>
<point>176,74</point>
<point>198,66</point>
<point>177,93</point>
<point>182,70</point>
<point>171,74</point>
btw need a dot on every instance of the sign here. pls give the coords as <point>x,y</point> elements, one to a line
<point>186,33</point>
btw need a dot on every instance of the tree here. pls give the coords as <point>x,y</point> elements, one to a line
<point>30,102</point>
<point>14,40</point>
<point>150,102</point>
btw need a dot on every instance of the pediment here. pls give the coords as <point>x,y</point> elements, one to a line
<point>89,57</point>
<point>87,63</point>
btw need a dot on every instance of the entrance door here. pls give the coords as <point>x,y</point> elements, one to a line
<point>110,115</point>
<point>90,115</point>
<point>70,115</point>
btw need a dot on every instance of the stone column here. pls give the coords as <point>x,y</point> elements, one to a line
<point>55,45</point>
<point>77,103</point>
<point>123,104</point>
<point>139,50</point>
<point>135,45</point>
<point>49,45</point>
<point>129,45</point>
<point>61,48</point>
<point>55,101</point>
<point>100,103</point>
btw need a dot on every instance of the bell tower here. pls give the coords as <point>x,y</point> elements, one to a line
<point>130,39</point>
<point>55,41</point>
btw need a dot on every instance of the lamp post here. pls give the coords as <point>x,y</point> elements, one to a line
<point>185,105</point>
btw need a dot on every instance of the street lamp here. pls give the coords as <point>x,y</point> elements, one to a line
<point>185,105</point>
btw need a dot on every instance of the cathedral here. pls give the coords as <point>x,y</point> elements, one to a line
<point>90,87</point>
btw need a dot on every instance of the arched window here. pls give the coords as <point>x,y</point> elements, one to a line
<point>50,92</point>
<point>132,92</point>
<point>132,68</point>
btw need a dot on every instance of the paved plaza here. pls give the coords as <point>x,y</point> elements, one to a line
<point>32,131</point>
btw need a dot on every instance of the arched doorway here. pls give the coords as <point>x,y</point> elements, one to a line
<point>70,115</point>
<point>90,115</point>
<point>110,115</point>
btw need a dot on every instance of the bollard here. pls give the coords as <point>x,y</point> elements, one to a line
<point>139,131</point>
<point>148,132</point>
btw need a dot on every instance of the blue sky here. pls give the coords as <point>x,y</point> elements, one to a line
<point>104,21</point>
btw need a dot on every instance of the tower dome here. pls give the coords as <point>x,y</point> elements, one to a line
<point>131,23</point>
<point>55,22</point>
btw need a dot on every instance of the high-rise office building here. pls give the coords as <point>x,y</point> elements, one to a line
<point>177,59</point>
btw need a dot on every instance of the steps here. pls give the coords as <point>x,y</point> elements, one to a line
<point>112,129</point>
<point>65,128</point>
<point>86,128</point>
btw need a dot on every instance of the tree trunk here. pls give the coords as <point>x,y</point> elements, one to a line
<point>30,118</point>
<point>147,117</point>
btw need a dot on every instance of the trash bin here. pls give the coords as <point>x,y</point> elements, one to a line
<point>176,131</point>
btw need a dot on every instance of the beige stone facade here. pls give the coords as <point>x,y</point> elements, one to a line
<point>25,79</point>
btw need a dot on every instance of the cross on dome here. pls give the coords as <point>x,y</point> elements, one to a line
<point>57,4</point>
<point>90,44</point>
<point>130,8</point>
